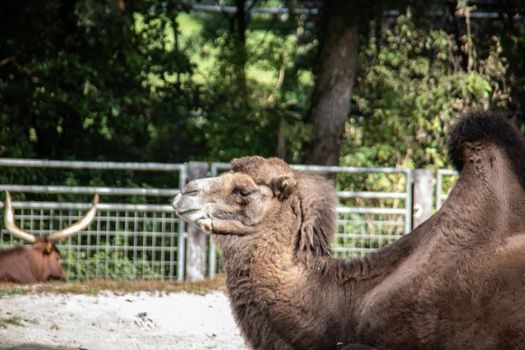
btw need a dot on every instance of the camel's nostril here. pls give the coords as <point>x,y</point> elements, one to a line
<point>189,193</point>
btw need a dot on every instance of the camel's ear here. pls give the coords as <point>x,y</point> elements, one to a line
<point>283,186</point>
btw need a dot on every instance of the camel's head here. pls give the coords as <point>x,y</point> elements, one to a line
<point>237,201</point>
<point>251,196</point>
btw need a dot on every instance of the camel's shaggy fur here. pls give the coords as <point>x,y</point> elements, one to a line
<point>455,282</point>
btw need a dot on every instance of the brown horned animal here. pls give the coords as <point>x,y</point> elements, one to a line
<point>40,261</point>
<point>456,282</point>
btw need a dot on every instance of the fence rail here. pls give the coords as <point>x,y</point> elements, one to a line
<point>129,237</point>
<point>441,189</point>
<point>65,164</point>
<point>91,190</point>
<point>136,235</point>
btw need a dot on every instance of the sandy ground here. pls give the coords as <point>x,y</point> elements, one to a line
<point>128,321</point>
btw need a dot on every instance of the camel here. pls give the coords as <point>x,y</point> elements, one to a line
<point>455,282</point>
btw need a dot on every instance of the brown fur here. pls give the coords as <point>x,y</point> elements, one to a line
<point>38,262</point>
<point>455,282</point>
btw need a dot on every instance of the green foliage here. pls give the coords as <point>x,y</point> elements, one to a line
<point>513,47</point>
<point>90,81</point>
<point>107,263</point>
<point>253,89</point>
<point>412,89</point>
<point>12,291</point>
<point>94,81</point>
<point>113,259</point>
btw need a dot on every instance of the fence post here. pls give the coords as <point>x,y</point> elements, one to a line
<point>423,198</point>
<point>196,239</point>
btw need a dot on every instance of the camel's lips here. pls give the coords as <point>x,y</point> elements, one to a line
<point>176,203</point>
<point>185,212</point>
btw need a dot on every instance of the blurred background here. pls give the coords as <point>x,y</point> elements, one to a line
<point>373,83</point>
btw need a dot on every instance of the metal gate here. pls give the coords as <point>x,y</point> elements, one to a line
<point>131,237</point>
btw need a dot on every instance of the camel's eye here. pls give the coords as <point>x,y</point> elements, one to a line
<point>241,191</point>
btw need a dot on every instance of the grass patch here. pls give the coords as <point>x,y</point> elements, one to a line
<point>10,321</point>
<point>94,287</point>
<point>12,291</point>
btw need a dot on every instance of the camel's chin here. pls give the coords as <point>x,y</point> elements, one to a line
<point>205,224</point>
<point>195,216</point>
<point>189,214</point>
<point>198,218</point>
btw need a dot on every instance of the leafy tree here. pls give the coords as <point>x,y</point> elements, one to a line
<point>413,91</point>
<point>253,92</point>
<point>340,29</point>
<point>122,81</point>
<point>90,80</point>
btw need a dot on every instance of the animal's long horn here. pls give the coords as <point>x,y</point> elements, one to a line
<point>77,226</point>
<point>10,225</point>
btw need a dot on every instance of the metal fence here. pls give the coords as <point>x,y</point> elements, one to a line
<point>136,235</point>
<point>129,237</point>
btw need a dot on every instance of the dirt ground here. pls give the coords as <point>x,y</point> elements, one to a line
<point>122,319</point>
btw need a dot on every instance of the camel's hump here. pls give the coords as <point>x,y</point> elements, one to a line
<point>491,127</point>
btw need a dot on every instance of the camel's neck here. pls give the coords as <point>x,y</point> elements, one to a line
<point>262,279</point>
<point>370,268</point>
<point>266,252</point>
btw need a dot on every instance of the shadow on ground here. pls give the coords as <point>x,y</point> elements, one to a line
<point>33,346</point>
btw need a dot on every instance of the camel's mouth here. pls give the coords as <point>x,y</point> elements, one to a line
<point>185,212</point>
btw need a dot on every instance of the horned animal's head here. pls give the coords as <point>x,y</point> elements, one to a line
<point>45,248</point>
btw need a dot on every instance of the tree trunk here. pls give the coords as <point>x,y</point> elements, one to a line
<point>239,24</point>
<point>330,101</point>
